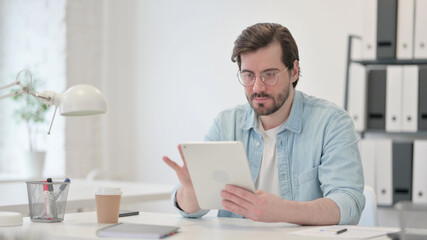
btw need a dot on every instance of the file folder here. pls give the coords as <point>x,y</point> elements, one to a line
<point>369,34</point>
<point>384,178</point>
<point>377,81</point>
<point>422,98</point>
<point>420,34</point>
<point>394,99</point>
<point>410,99</point>
<point>386,29</point>
<point>393,171</point>
<point>402,171</point>
<point>357,96</point>
<point>419,180</point>
<point>405,29</point>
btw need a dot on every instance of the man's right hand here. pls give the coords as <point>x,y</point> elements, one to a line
<point>185,197</point>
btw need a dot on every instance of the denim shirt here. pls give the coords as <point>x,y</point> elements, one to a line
<point>317,154</point>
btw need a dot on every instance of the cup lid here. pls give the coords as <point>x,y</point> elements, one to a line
<point>108,191</point>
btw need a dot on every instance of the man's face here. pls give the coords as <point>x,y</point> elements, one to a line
<point>264,99</point>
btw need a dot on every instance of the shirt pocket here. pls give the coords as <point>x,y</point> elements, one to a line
<point>308,185</point>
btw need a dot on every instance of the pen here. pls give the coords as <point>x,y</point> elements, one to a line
<point>61,188</point>
<point>341,231</point>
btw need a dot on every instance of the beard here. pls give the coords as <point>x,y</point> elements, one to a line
<point>262,109</point>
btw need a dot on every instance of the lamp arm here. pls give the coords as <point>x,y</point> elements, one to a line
<point>10,85</point>
<point>48,97</point>
<point>12,94</point>
<point>45,97</point>
<point>24,89</point>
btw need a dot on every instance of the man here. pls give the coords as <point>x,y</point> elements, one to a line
<point>302,151</point>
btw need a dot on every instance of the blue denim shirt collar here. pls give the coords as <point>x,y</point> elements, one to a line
<point>294,122</point>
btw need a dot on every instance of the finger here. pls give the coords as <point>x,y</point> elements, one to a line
<point>242,193</point>
<point>233,207</point>
<point>171,164</point>
<point>182,155</point>
<point>235,199</point>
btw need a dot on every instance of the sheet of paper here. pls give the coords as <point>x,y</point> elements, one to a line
<point>352,232</point>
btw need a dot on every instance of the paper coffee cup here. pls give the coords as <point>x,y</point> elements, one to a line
<point>108,204</point>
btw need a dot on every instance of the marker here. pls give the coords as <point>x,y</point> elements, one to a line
<point>341,231</point>
<point>51,200</point>
<point>47,207</point>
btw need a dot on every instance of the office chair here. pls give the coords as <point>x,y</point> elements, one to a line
<point>369,215</point>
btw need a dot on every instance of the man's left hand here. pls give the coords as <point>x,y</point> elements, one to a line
<point>259,206</point>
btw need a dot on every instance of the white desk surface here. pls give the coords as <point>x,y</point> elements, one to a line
<point>84,226</point>
<point>81,195</point>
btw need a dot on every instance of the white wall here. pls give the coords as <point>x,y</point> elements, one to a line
<point>86,58</point>
<point>169,73</point>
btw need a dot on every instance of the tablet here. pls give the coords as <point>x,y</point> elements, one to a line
<point>212,165</point>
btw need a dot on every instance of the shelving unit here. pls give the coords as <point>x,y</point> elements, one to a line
<point>371,62</point>
<point>396,165</point>
<point>383,62</point>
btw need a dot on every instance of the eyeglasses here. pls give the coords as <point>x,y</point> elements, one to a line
<point>270,77</point>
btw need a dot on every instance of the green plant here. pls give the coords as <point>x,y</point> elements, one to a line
<point>32,112</point>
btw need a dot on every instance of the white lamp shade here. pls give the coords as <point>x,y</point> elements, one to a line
<point>81,100</point>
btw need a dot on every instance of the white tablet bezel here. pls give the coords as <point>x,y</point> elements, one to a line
<point>212,165</point>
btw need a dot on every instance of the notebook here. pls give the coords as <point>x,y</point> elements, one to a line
<point>135,230</point>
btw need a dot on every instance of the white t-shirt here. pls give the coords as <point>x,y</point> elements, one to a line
<point>268,177</point>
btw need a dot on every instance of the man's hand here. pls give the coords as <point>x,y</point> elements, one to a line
<point>185,197</point>
<point>266,207</point>
<point>260,206</point>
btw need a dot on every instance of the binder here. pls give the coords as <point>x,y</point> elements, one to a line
<point>384,178</point>
<point>357,96</point>
<point>402,171</point>
<point>377,81</point>
<point>393,171</point>
<point>422,98</point>
<point>394,99</point>
<point>369,34</point>
<point>419,181</point>
<point>410,99</point>
<point>386,29</point>
<point>420,34</point>
<point>367,154</point>
<point>405,29</point>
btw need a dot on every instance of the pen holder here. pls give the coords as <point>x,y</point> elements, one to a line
<point>47,200</point>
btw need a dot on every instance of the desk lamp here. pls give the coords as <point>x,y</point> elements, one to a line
<point>79,100</point>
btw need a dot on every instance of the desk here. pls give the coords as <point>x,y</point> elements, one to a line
<point>81,195</point>
<point>84,226</point>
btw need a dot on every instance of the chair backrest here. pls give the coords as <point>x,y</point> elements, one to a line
<point>369,215</point>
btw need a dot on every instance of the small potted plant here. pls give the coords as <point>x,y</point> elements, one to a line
<point>33,113</point>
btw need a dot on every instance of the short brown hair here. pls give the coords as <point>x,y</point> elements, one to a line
<point>262,34</point>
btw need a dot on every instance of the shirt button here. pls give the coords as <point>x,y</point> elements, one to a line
<point>257,144</point>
